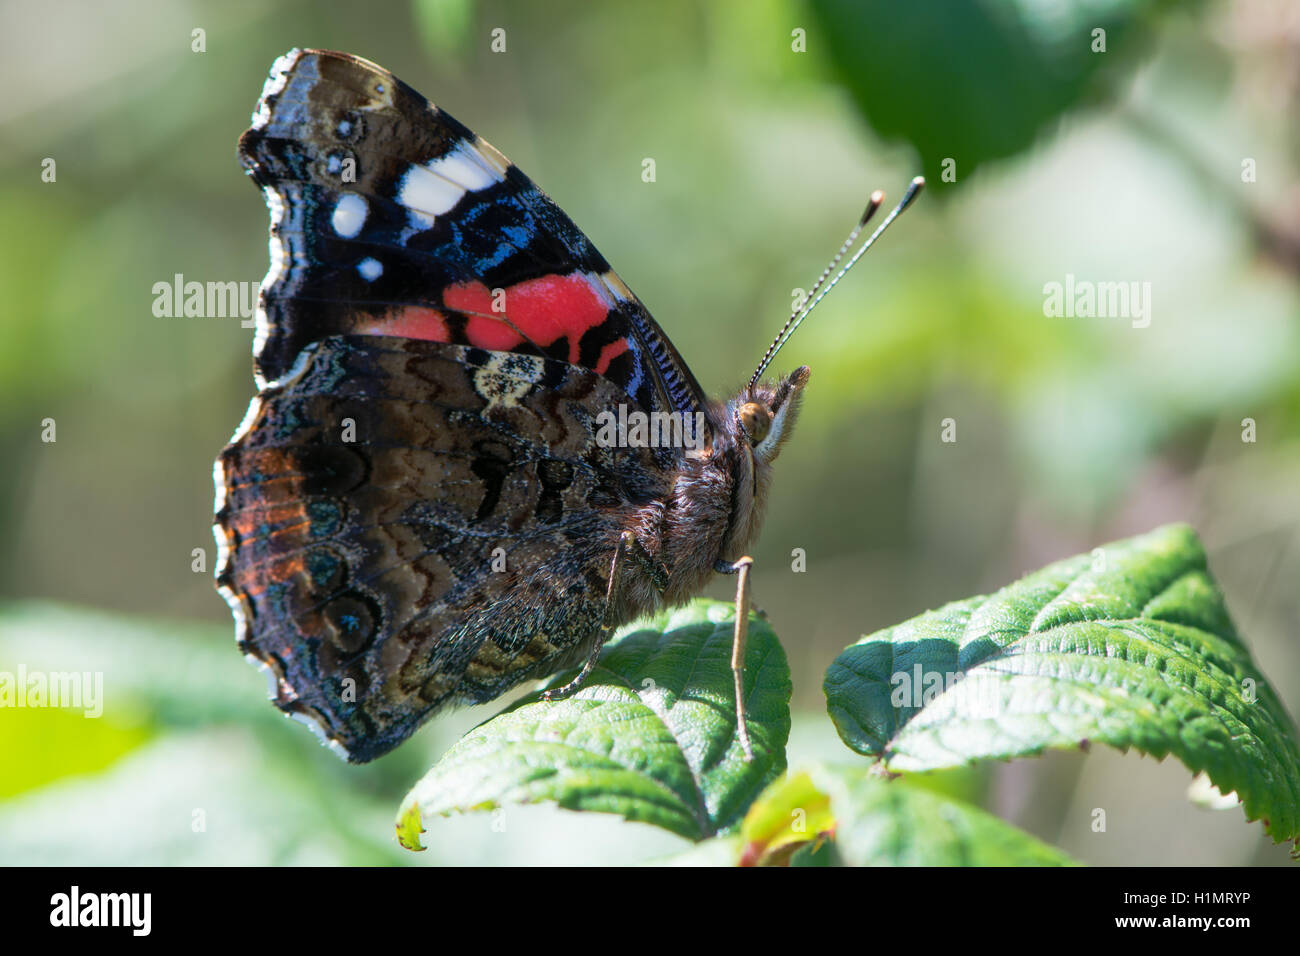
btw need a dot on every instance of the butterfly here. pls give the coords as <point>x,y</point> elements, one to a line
<point>473,453</point>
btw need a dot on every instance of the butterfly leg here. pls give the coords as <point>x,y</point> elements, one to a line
<point>625,542</point>
<point>741,570</point>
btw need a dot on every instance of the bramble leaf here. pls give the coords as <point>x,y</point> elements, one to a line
<point>1130,646</point>
<point>650,736</point>
<point>893,823</point>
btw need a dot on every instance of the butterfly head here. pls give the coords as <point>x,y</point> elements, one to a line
<point>765,412</point>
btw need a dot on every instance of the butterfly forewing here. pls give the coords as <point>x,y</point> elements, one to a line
<point>390,217</point>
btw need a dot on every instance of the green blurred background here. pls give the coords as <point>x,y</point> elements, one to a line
<point>1122,165</point>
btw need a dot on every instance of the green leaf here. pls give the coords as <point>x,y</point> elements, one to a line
<point>982,79</point>
<point>409,828</point>
<point>41,746</point>
<point>650,736</point>
<point>829,815</point>
<point>1130,646</point>
<point>892,823</point>
<point>789,814</point>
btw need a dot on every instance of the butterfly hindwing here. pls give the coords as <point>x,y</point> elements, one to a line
<point>407,524</point>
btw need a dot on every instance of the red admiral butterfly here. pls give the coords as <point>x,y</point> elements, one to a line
<point>448,483</point>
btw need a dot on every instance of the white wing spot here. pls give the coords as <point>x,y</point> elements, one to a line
<point>465,167</point>
<point>439,184</point>
<point>349,215</point>
<point>427,193</point>
<point>370,268</point>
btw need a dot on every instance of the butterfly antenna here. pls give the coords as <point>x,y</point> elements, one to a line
<point>817,293</point>
<point>873,204</point>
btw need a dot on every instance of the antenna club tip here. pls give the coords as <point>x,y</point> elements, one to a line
<point>873,204</point>
<point>913,190</point>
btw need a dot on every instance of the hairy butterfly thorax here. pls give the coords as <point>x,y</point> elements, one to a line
<point>474,453</point>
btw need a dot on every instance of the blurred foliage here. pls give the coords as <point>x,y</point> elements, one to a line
<point>1122,166</point>
<point>199,749</point>
<point>977,81</point>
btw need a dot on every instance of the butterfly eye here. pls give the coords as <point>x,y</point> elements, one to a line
<point>755,419</point>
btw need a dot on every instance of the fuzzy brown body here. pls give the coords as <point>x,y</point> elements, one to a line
<point>711,514</point>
